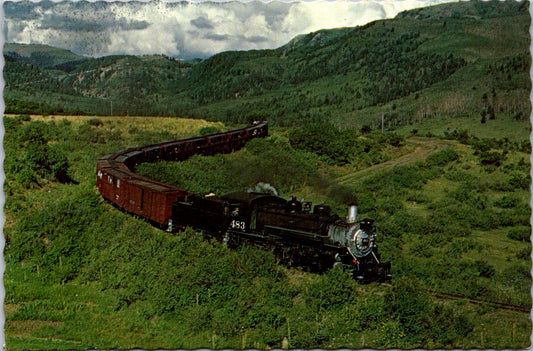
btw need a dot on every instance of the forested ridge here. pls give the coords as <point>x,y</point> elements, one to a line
<point>405,68</point>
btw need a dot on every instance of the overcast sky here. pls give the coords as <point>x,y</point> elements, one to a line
<point>184,29</point>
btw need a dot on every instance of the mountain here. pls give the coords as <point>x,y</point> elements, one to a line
<point>465,61</point>
<point>39,54</point>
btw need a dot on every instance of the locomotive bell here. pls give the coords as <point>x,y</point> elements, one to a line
<point>351,218</point>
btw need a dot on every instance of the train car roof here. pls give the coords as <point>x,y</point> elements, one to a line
<point>243,196</point>
<point>160,187</point>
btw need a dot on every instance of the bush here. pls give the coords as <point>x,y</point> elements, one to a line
<point>23,118</point>
<point>208,130</point>
<point>491,158</point>
<point>326,140</point>
<point>48,161</point>
<point>520,234</point>
<point>95,122</point>
<point>332,290</point>
<point>507,202</point>
<point>408,304</point>
<point>392,139</point>
<point>520,181</point>
<point>270,160</point>
<point>49,236</point>
<point>442,157</point>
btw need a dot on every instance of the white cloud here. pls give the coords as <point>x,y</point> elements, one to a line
<point>185,29</point>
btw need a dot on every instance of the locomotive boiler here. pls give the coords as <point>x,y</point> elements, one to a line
<point>300,234</point>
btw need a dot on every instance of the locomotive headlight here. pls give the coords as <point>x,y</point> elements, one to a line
<point>360,242</point>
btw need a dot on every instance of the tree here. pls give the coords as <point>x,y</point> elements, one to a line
<point>483,117</point>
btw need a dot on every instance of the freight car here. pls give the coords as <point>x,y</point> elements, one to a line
<point>300,234</point>
<point>118,182</point>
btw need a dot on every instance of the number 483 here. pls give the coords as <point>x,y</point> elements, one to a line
<point>238,224</point>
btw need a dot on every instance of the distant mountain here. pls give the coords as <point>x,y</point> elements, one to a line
<point>39,55</point>
<point>456,60</point>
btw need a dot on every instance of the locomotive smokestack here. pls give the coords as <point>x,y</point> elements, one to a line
<point>351,218</point>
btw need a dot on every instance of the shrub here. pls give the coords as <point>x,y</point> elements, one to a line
<point>491,158</point>
<point>270,160</point>
<point>442,157</point>
<point>408,304</point>
<point>95,122</point>
<point>208,130</point>
<point>46,161</point>
<point>520,234</point>
<point>520,181</point>
<point>366,129</point>
<point>27,177</point>
<point>49,236</point>
<point>507,202</point>
<point>326,140</point>
<point>35,132</point>
<point>392,139</point>
<point>331,291</point>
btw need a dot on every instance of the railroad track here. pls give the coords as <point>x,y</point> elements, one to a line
<point>499,305</point>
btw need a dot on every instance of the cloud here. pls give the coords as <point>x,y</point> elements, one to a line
<point>201,23</point>
<point>183,29</point>
<point>256,39</point>
<point>95,24</point>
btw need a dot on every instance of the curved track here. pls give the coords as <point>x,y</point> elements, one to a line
<point>499,305</point>
<point>118,182</point>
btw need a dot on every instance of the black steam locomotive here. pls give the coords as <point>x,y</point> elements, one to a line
<point>300,235</point>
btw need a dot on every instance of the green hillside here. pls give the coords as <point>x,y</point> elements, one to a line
<point>452,218</point>
<point>39,55</point>
<point>459,65</point>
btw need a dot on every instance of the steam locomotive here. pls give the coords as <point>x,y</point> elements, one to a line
<point>300,234</point>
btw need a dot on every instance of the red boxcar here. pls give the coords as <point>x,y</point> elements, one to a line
<point>150,199</point>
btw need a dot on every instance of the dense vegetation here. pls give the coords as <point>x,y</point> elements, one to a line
<point>451,63</point>
<point>81,274</point>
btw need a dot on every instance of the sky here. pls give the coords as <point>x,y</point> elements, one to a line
<point>184,29</point>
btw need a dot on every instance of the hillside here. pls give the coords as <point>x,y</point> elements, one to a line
<point>452,217</point>
<point>39,55</point>
<point>446,66</point>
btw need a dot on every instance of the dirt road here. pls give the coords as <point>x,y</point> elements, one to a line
<point>423,148</point>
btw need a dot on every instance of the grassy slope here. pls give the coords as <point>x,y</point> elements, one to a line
<point>89,312</point>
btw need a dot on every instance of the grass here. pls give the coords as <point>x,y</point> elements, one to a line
<point>181,126</point>
<point>498,128</point>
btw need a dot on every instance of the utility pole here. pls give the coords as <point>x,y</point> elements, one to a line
<point>382,122</point>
